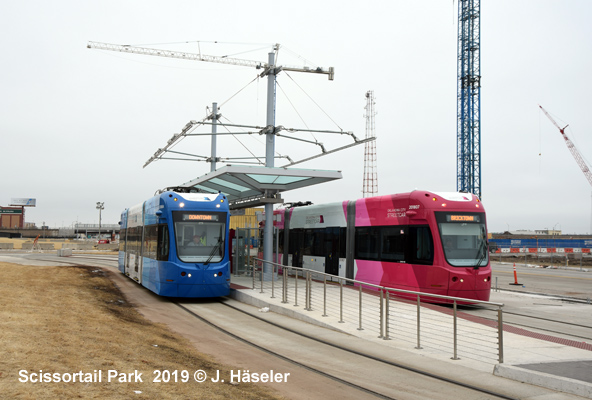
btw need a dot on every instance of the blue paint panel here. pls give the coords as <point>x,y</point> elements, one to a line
<point>121,261</point>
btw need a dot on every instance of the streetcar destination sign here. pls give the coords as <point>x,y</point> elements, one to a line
<point>463,218</point>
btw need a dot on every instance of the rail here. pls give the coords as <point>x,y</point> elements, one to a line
<point>403,315</point>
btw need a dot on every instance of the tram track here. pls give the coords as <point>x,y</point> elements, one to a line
<point>517,323</point>
<point>280,356</point>
<point>308,365</point>
<point>363,390</point>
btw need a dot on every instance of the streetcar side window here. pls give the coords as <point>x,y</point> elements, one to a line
<point>421,245</point>
<point>393,242</point>
<point>163,243</point>
<point>402,243</point>
<point>150,242</point>
<point>342,242</point>
<point>122,238</point>
<point>367,243</point>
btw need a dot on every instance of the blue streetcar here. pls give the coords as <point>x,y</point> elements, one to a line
<point>175,244</point>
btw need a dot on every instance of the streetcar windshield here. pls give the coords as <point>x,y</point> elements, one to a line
<point>463,238</point>
<point>200,236</point>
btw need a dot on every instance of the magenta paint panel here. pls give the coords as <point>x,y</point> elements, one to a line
<point>369,271</point>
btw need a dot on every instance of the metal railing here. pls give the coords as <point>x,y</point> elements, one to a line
<point>393,314</point>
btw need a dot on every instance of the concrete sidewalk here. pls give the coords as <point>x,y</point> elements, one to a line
<point>554,363</point>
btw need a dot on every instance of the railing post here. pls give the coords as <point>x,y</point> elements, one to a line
<point>308,291</point>
<point>381,313</point>
<point>454,334</point>
<point>418,324</point>
<point>273,281</point>
<point>386,316</point>
<point>296,288</point>
<point>500,335</point>
<point>253,273</point>
<point>325,296</point>
<point>285,285</point>
<point>262,269</point>
<point>341,301</point>
<point>360,307</point>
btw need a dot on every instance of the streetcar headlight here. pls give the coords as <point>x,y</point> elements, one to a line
<point>181,204</point>
<point>189,275</point>
<point>217,205</point>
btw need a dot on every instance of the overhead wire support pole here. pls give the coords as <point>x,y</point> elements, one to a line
<point>267,271</point>
<point>270,69</point>
<point>215,117</point>
<point>468,146</point>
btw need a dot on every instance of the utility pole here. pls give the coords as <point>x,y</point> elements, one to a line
<point>100,207</point>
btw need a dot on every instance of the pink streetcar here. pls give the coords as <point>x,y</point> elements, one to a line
<point>420,241</point>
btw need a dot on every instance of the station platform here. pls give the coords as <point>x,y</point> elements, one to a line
<point>539,359</point>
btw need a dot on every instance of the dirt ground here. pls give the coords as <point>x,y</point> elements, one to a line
<point>72,323</point>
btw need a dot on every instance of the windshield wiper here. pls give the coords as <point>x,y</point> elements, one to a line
<point>216,247</point>
<point>482,249</point>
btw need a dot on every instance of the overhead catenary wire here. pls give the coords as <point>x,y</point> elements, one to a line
<point>267,69</point>
<point>317,104</point>
<point>234,95</point>
<point>242,144</point>
<point>295,109</point>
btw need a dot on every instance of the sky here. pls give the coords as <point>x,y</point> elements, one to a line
<point>77,124</point>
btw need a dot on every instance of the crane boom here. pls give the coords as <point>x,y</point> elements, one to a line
<point>213,59</point>
<point>572,148</point>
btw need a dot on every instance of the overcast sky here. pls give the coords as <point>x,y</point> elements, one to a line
<point>77,125</point>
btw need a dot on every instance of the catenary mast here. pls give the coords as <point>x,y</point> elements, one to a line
<point>468,142</point>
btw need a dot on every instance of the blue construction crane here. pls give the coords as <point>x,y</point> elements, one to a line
<point>468,128</point>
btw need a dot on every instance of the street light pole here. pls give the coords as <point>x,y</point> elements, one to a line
<point>100,207</point>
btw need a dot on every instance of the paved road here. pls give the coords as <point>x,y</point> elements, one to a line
<point>538,304</point>
<point>571,282</point>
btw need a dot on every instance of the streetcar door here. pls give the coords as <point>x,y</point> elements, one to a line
<point>331,250</point>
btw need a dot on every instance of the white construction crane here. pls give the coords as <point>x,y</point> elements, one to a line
<point>213,59</point>
<point>574,151</point>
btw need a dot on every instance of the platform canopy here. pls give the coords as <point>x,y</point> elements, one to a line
<point>248,186</point>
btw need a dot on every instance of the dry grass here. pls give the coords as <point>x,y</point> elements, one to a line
<point>72,319</point>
